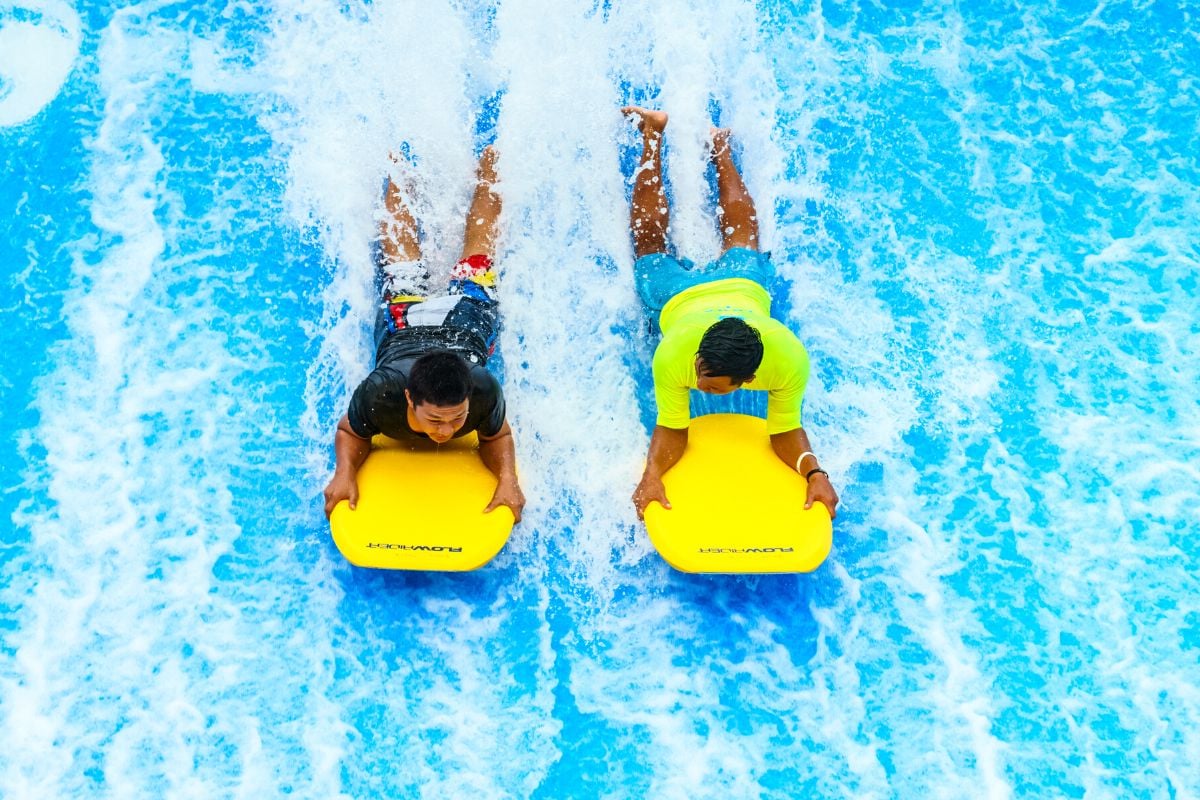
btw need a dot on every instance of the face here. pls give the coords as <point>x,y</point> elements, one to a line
<point>439,423</point>
<point>715,384</point>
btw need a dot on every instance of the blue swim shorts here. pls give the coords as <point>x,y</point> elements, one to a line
<point>659,277</point>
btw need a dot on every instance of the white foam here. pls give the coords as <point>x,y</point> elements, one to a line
<point>404,78</point>
<point>132,654</point>
<point>1005,569</point>
<point>36,55</point>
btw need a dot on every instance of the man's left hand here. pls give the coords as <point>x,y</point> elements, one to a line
<point>508,493</point>
<point>820,490</point>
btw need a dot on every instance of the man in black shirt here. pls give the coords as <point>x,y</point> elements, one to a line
<point>429,380</point>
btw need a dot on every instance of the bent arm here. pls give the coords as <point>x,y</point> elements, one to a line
<point>666,448</point>
<point>790,446</point>
<point>350,451</point>
<point>499,455</point>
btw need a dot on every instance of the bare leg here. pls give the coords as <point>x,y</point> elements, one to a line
<point>649,212</point>
<point>398,231</point>
<point>483,218</point>
<point>735,212</point>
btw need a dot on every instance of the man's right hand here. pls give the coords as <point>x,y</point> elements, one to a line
<point>341,487</point>
<point>820,490</point>
<point>650,490</point>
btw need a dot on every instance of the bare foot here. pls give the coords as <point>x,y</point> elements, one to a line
<point>399,193</point>
<point>401,159</point>
<point>720,142</point>
<point>400,178</point>
<point>486,171</point>
<point>648,121</point>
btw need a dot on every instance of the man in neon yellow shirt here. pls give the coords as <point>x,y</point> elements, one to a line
<point>717,330</point>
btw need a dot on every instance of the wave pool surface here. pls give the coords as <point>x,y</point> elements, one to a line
<point>984,223</point>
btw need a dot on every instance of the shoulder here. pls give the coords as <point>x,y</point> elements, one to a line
<point>482,376</point>
<point>385,378</point>
<point>377,403</point>
<point>383,388</point>
<point>778,336</point>
<point>484,383</point>
<point>785,360</point>
<point>679,344</point>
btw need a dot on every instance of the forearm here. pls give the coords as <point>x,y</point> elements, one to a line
<point>499,455</point>
<point>666,448</point>
<point>790,445</point>
<point>794,449</point>
<point>349,451</point>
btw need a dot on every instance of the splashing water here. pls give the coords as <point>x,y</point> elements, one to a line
<point>984,224</point>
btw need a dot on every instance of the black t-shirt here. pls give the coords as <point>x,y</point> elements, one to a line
<point>379,405</point>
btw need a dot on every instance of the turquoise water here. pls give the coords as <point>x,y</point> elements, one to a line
<point>986,224</point>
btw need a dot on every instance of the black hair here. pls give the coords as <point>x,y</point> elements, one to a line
<point>439,377</point>
<point>731,349</point>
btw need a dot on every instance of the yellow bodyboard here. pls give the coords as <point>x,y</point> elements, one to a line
<point>735,507</point>
<point>420,507</point>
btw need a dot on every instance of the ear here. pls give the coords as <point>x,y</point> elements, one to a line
<point>408,397</point>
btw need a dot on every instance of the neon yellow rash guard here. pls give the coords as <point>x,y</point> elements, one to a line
<point>783,373</point>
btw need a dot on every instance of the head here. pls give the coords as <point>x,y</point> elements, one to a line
<point>439,388</point>
<point>730,351</point>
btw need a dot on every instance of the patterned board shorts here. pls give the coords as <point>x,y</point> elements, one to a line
<point>470,302</point>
